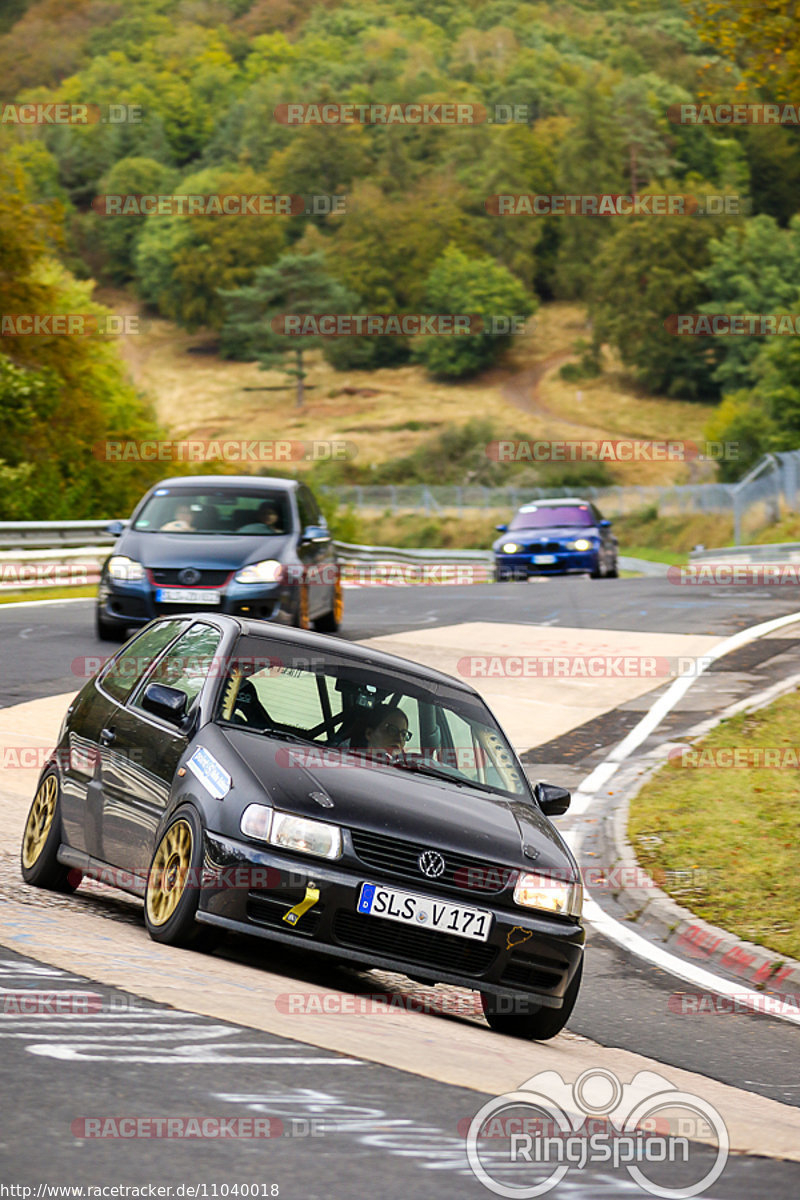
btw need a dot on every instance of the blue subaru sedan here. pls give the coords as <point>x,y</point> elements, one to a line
<point>249,546</point>
<point>556,537</point>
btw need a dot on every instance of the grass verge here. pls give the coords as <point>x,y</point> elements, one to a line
<point>731,832</point>
<point>65,593</point>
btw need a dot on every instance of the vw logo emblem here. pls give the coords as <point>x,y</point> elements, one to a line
<point>189,576</point>
<point>431,863</point>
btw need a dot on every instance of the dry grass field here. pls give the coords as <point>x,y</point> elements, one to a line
<point>388,413</point>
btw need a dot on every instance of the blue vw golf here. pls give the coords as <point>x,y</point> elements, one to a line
<point>556,537</point>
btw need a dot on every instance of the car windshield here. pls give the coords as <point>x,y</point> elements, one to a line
<point>338,712</point>
<point>245,511</point>
<point>546,517</point>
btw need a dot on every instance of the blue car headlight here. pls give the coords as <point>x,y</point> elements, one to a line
<point>581,544</point>
<point>510,548</point>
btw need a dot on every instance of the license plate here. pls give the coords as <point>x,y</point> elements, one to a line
<point>425,913</point>
<point>187,596</point>
<point>544,558</point>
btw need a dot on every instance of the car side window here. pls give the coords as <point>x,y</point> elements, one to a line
<point>120,676</point>
<point>308,508</point>
<point>186,665</point>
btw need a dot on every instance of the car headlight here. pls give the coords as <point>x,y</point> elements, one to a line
<point>291,832</point>
<point>309,837</point>
<point>579,544</point>
<point>548,894</point>
<point>256,820</point>
<point>510,548</point>
<point>125,569</point>
<point>268,571</point>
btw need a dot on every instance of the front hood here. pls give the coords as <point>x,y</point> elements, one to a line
<point>176,550</point>
<point>531,538</point>
<point>403,804</point>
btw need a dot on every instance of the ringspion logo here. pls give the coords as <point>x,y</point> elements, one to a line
<point>548,1128</point>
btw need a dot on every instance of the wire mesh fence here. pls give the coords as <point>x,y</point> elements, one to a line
<point>755,501</point>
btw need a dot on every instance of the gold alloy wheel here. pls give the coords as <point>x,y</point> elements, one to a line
<point>169,873</point>
<point>338,601</point>
<point>40,819</point>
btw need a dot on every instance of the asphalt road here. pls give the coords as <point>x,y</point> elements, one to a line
<point>623,1003</point>
<point>93,1092</point>
<point>42,648</point>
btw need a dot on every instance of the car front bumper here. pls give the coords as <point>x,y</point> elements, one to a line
<point>130,604</point>
<point>527,953</point>
<point>563,563</point>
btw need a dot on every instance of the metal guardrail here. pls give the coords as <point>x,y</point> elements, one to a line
<point>49,534</point>
<point>770,552</point>
<point>80,566</point>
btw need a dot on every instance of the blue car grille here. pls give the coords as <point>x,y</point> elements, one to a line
<point>544,548</point>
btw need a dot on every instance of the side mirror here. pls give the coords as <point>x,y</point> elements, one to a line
<point>604,524</point>
<point>501,528</point>
<point>115,528</point>
<point>552,799</point>
<point>165,702</point>
<point>315,533</point>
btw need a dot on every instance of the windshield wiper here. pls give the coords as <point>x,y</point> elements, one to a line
<point>426,768</point>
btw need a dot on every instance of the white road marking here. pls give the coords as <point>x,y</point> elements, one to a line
<point>615,930</point>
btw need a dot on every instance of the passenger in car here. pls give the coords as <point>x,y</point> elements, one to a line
<point>267,520</point>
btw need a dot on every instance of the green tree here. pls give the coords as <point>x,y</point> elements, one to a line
<point>182,260</point>
<point>754,268</point>
<point>741,422</point>
<point>759,36</point>
<point>118,235</point>
<point>297,285</point>
<point>60,394</point>
<point>645,274</point>
<point>479,287</point>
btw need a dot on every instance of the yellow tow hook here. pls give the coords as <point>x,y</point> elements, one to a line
<point>309,900</point>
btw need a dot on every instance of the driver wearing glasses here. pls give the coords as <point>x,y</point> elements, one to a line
<point>385,731</point>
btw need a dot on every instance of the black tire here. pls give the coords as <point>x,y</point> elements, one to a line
<point>108,631</point>
<point>330,621</point>
<point>42,837</point>
<point>173,886</point>
<point>614,572</point>
<point>539,1024</point>
<point>596,572</point>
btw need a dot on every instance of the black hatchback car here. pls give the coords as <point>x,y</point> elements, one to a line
<point>556,537</point>
<point>241,776</point>
<point>248,545</point>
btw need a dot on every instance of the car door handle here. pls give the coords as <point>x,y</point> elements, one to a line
<point>107,736</point>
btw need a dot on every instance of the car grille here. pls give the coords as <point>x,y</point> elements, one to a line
<point>543,973</point>
<point>544,548</point>
<point>394,856</point>
<point>168,577</point>
<point>424,946</point>
<point>264,909</point>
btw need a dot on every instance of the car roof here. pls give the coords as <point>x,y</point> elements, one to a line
<point>323,643</point>
<point>222,481</point>
<point>564,501</point>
